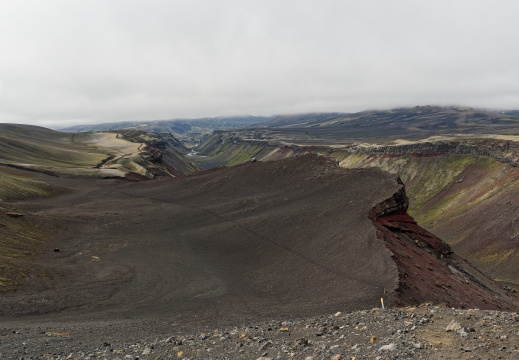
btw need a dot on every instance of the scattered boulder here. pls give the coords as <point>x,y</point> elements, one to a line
<point>13,214</point>
<point>389,347</point>
<point>453,326</point>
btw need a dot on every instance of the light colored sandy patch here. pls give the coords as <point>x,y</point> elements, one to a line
<point>403,142</point>
<point>110,143</point>
<point>111,172</point>
<point>126,154</point>
<point>369,145</point>
<point>503,137</point>
<point>457,137</point>
<point>435,334</point>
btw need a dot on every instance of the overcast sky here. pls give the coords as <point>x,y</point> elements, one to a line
<point>88,61</point>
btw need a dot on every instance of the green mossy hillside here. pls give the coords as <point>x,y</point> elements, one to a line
<point>17,185</point>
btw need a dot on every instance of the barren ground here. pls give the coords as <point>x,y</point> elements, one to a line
<point>212,249</point>
<point>277,240</point>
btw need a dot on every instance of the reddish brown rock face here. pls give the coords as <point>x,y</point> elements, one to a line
<point>428,270</point>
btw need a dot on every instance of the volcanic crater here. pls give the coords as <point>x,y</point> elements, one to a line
<point>295,237</point>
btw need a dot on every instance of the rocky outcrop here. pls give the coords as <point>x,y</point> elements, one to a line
<point>504,151</point>
<point>428,269</point>
<point>164,151</point>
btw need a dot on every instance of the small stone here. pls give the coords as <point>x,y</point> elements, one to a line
<point>337,357</point>
<point>453,326</point>
<point>321,331</point>
<point>338,313</point>
<point>301,342</point>
<point>462,332</point>
<point>373,339</point>
<point>13,214</point>
<point>264,346</point>
<point>146,351</point>
<point>389,347</point>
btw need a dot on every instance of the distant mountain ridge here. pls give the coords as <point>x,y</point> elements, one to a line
<point>189,131</point>
<point>404,123</point>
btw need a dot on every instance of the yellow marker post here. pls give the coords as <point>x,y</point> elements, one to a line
<point>382,301</point>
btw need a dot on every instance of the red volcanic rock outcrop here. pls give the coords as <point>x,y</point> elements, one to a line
<point>428,269</point>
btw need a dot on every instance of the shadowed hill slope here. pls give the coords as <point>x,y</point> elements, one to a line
<point>292,237</point>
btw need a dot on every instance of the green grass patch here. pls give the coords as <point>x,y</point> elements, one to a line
<point>430,194</point>
<point>348,160</point>
<point>20,238</point>
<point>17,185</point>
<point>230,154</point>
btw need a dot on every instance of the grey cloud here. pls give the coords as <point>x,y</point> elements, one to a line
<point>94,61</point>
